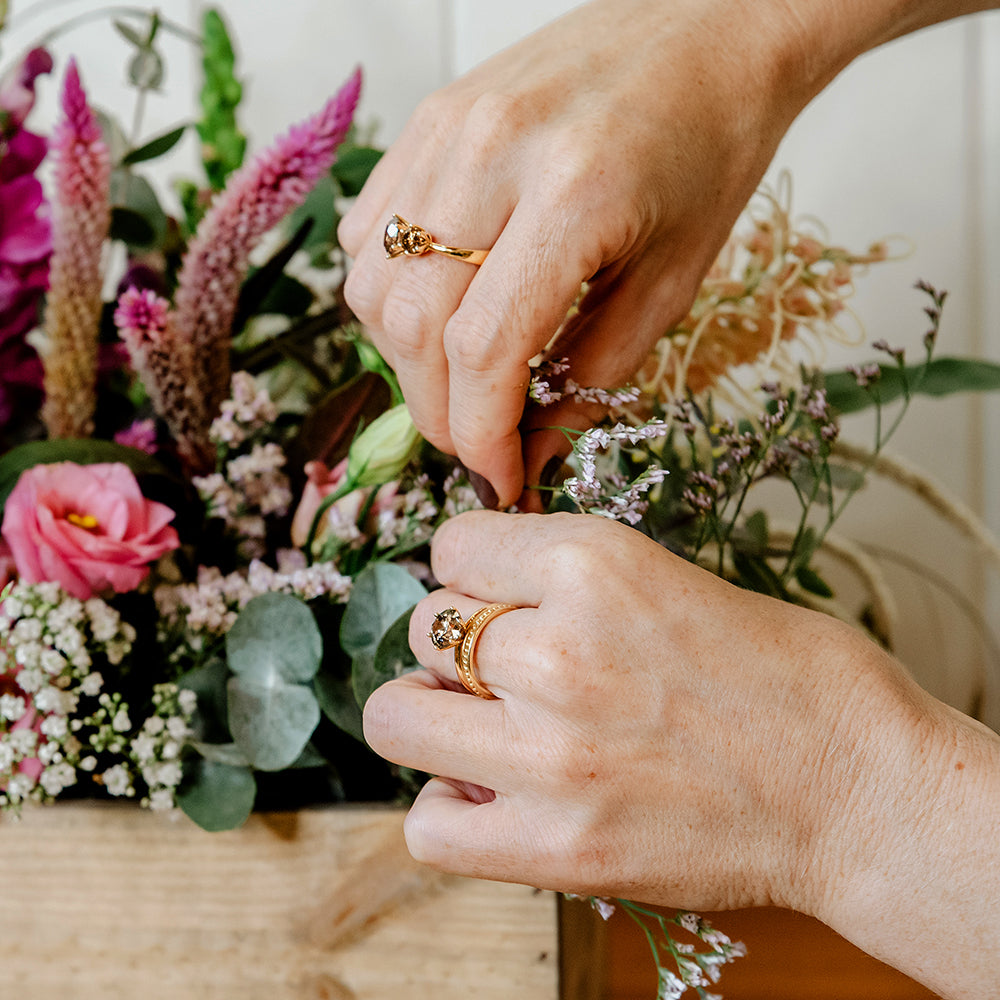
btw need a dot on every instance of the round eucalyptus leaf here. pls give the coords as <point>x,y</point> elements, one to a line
<point>336,698</point>
<point>392,659</point>
<point>272,722</point>
<point>222,753</point>
<point>208,682</point>
<point>275,638</point>
<point>381,593</point>
<point>217,796</point>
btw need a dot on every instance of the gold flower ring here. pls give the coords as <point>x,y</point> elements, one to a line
<point>402,237</point>
<point>450,630</point>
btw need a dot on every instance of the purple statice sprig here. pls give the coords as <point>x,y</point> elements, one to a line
<point>195,617</point>
<point>541,390</point>
<point>791,438</point>
<point>249,488</point>
<point>683,965</point>
<point>598,489</point>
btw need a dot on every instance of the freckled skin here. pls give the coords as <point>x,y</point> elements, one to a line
<point>673,739</point>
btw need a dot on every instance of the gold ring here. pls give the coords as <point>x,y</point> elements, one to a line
<point>402,237</point>
<point>450,630</point>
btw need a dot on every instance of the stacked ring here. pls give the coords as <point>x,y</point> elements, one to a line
<point>449,630</point>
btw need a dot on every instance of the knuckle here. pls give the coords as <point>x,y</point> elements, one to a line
<point>493,121</point>
<point>574,557</point>
<point>471,345</point>
<point>377,719</point>
<point>437,115</point>
<point>421,841</point>
<point>407,324</point>
<point>363,294</point>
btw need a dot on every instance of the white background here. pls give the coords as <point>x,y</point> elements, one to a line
<point>906,141</point>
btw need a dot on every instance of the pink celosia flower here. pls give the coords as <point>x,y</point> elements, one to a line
<point>85,527</point>
<point>195,342</point>
<point>141,318</point>
<point>81,218</point>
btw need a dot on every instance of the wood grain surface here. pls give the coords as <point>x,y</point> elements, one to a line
<point>106,903</point>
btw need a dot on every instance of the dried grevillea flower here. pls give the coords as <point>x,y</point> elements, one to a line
<point>773,294</point>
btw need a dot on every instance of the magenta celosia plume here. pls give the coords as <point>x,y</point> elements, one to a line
<point>195,343</point>
<point>81,216</point>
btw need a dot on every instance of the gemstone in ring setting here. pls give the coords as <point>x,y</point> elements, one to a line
<point>447,629</point>
<point>402,237</point>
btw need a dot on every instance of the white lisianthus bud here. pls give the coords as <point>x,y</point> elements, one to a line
<point>382,450</point>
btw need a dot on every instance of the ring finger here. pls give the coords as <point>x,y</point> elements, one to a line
<point>486,660</point>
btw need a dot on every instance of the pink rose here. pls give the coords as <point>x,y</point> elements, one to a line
<point>85,527</point>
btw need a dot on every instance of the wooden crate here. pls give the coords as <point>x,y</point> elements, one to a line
<point>106,901</point>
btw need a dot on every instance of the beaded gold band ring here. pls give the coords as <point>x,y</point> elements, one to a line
<point>450,630</point>
<point>404,238</point>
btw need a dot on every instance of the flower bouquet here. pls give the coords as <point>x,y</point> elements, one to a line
<point>216,511</point>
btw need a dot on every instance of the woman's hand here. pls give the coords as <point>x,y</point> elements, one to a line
<point>657,731</point>
<point>616,146</point>
<point>662,735</point>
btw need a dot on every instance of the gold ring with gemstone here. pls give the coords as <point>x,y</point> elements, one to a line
<point>449,630</point>
<point>402,237</point>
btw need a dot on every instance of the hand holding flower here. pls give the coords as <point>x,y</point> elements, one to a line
<point>85,527</point>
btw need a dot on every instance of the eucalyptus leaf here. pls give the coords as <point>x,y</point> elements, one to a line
<point>846,477</point>
<point>756,530</point>
<point>275,638</point>
<point>217,796</point>
<point>806,547</point>
<point>381,593</point>
<point>392,659</point>
<point>336,698</point>
<point>310,757</point>
<point>222,753</point>
<point>271,722</point>
<point>129,33</point>
<point>208,682</point>
<point>145,69</point>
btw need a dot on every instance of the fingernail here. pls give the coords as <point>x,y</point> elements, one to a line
<point>487,495</point>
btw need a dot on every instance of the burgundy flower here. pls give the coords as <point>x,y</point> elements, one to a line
<point>25,235</point>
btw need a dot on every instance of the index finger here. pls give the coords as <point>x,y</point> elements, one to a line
<point>509,313</point>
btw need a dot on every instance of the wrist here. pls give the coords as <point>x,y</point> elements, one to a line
<point>904,861</point>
